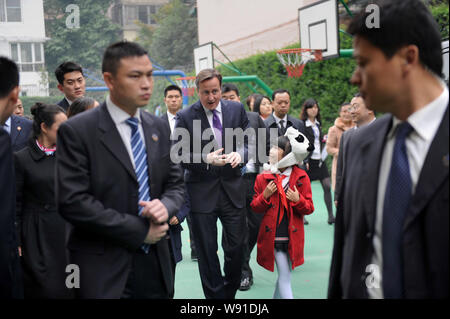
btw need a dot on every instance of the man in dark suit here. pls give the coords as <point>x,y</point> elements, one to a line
<point>10,275</point>
<point>231,92</point>
<point>392,224</point>
<point>173,98</point>
<point>280,118</point>
<point>19,129</point>
<point>117,186</point>
<point>214,181</point>
<point>71,83</point>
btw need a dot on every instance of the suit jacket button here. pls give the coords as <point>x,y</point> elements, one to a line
<point>369,235</point>
<point>363,277</point>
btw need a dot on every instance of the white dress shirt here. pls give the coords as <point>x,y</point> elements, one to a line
<point>316,155</point>
<point>277,119</point>
<point>7,125</point>
<point>425,123</point>
<point>119,118</point>
<point>172,119</point>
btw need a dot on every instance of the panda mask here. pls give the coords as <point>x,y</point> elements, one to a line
<point>300,146</point>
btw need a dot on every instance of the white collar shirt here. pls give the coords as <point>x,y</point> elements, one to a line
<point>120,118</point>
<point>425,123</point>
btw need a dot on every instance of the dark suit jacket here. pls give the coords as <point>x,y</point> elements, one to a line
<point>204,181</point>
<point>97,192</point>
<point>175,230</point>
<point>257,123</point>
<point>291,121</point>
<point>64,104</point>
<point>10,275</point>
<point>21,129</point>
<point>343,144</point>
<point>425,230</point>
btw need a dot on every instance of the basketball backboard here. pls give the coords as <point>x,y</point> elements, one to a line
<point>203,57</point>
<point>319,27</point>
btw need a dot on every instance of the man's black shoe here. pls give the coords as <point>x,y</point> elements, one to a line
<point>246,283</point>
<point>194,256</point>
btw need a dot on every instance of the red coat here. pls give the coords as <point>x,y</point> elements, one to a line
<point>266,236</point>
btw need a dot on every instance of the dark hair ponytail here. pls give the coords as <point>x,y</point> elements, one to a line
<point>44,113</point>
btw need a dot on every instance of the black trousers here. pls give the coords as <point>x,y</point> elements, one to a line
<point>145,280</point>
<point>253,223</point>
<point>205,235</point>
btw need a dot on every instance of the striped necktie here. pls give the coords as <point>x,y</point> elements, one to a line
<point>140,163</point>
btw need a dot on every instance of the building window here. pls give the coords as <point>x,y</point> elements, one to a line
<point>28,56</point>
<point>142,13</point>
<point>10,11</point>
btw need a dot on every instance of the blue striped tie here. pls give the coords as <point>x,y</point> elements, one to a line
<point>140,163</point>
<point>396,204</point>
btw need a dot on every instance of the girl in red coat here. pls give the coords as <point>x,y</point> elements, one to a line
<point>283,195</point>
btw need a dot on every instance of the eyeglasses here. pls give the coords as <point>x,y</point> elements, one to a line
<point>354,107</point>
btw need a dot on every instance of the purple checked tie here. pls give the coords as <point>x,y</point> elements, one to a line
<point>217,128</point>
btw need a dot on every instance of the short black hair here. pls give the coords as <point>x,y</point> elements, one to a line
<point>172,88</point>
<point>228,87</point>
<point>357,94</point>
<point>284,143</point>
<point>402,23</point>
<point>257,103</point>
<point>117,51</point>
<point>66,67</point>
<point>9,78</point>
<point>44,113</point>
<point>80,105</point>
<point>280,91</point>
<point>249,99</point>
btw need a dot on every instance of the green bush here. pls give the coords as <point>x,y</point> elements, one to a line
<point>327,81</point>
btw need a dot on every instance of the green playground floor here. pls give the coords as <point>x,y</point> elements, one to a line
<point>309,281</point>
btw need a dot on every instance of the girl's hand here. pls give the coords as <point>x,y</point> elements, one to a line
<point>293,196</point>
<point>269,190</point>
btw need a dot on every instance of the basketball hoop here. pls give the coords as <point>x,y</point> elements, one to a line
<point>294,60</point>
<point>187,85</point>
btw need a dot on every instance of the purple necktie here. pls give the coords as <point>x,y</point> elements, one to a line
<point>217,128</point>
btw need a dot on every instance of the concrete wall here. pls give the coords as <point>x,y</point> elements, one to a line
<point>243,28</point>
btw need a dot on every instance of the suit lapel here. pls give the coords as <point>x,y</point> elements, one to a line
<point>434,171</point>
<point>165,117</point>
<point>151,137</point>
<point>372,148</point>
<point>113,141</point>
<point>201,115</point>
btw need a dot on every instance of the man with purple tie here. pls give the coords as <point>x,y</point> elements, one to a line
<point>214,182</point>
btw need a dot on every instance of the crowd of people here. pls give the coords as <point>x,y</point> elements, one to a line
<point>95,184</point>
